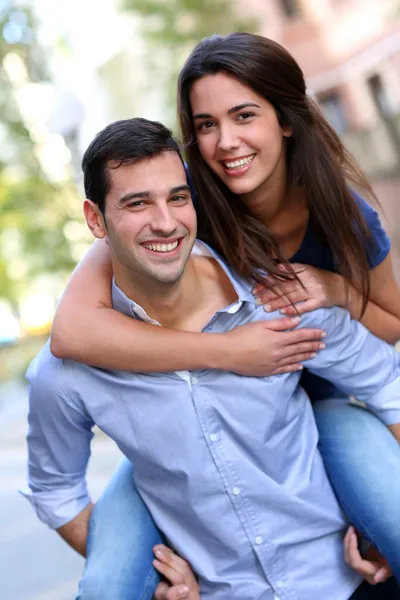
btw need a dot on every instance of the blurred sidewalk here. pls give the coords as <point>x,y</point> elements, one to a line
<point>35,564</point>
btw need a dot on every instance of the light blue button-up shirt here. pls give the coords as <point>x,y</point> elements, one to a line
<point>228,465</point>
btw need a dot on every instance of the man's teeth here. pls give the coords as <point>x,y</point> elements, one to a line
<point>161,247</point>
<point>239,163</point>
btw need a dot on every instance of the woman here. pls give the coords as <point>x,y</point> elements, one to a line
<point>260,155</point>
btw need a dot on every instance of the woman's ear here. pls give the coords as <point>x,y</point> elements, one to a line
<point>287,132</point>
<point>94,219</point>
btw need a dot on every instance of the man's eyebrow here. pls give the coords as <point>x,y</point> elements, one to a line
<point>179,188</point>
<point>132,196</point>
<point>230,111</point>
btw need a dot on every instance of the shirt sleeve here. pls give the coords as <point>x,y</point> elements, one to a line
<point>379,246</point>
<point>59,437</point>
<point>357,362</point>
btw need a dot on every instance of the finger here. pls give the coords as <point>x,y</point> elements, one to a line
<point>167,556</point>
<point>161,592</point>
<point>382,574</point>
<point>303,348</point>
<point>346,541</point>
<point>287,369</point>
<point>286,301</point>
<point>169,572</point>
<point>301,335</point>
<point>177,592</point>
<point>302,307</point>
<point>276,291</point>
<point>282,324</point>
<point>364,567</point>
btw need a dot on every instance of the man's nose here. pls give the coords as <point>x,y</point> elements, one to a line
<point>163,221</point>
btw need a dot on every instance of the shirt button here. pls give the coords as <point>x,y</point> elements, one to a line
<point>194,380</point>
<point>236,491</point>
<point>259,540</point>
<point>213,437</point>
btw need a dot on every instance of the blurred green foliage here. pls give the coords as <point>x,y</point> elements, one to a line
<point>172,28</point>
<point>33,210</point>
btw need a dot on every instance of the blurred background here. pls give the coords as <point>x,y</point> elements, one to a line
<point>69,68</point>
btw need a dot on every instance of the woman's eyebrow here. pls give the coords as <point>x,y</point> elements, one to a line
<point>230,111</point>
<point>240,106</point>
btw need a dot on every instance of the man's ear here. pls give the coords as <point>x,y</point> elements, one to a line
<point>94,219</point>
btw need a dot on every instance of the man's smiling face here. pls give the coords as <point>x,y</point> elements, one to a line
<point>150,218</point>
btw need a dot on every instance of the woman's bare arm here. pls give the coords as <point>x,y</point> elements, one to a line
<point>382,315</point>
<point>324,289</point>
<point>87,329</point>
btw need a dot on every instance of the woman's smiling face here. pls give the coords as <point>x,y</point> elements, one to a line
<point>238,133</point>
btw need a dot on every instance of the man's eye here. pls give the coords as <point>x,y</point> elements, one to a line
<point>136,204</point>
<point>179,198</point>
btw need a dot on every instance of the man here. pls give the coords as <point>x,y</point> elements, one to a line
<point>227,465</point>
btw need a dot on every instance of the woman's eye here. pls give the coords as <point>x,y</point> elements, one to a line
<point>205,125</point>
<point>245,116</point>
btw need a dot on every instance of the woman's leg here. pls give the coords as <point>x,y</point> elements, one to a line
<point>362,459</point>
<point>120,541</point>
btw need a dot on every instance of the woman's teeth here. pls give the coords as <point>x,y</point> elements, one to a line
<point>239,163</point>
<point>161,247</point>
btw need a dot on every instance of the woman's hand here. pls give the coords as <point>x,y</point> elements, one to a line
<point>266,348</point>
<point>182,582</point>
<point>374,568</point>
<point>320,289</point>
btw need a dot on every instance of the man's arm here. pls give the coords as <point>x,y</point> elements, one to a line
<point>59,437</point>
<point>358,363</point>
<point>75,532</point>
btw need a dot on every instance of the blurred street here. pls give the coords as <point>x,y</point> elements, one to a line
<point>35,564</point>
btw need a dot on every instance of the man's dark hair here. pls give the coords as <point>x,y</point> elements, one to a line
<point>122,143</point>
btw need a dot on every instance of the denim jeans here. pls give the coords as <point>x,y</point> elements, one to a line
<point>120,542</point>
<point>362,459</point>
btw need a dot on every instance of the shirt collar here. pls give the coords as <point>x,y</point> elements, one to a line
<point>123,304</point>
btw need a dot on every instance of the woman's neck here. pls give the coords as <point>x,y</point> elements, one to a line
<point>283,209</point>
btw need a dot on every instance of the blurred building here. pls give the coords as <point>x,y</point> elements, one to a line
<point>349,51</point>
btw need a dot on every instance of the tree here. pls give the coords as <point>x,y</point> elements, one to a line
<point>33,210</point>
<point>173,27</point>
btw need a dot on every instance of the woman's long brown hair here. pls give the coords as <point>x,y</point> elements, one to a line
<point>316,161</point>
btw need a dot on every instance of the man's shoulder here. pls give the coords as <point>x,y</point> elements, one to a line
<point>52,374</point>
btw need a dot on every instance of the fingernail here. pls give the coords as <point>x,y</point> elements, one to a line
<point>283,311</point>
<point>183,591</point>
<point>379,576</point>
<point>159,554</point>
<point>323,334</point>
<point>296,319</point>
<point>254,292</point>
<point>300,368</point>
<point>267,307</point>
<point>258,300</point>
<point>313,355</point>
<point>322,346</point>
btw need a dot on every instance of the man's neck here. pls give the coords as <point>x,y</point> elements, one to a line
<point>165,303</point>
<point>203,289</point>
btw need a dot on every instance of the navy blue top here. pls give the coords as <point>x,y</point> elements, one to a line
<point>314,251</point>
